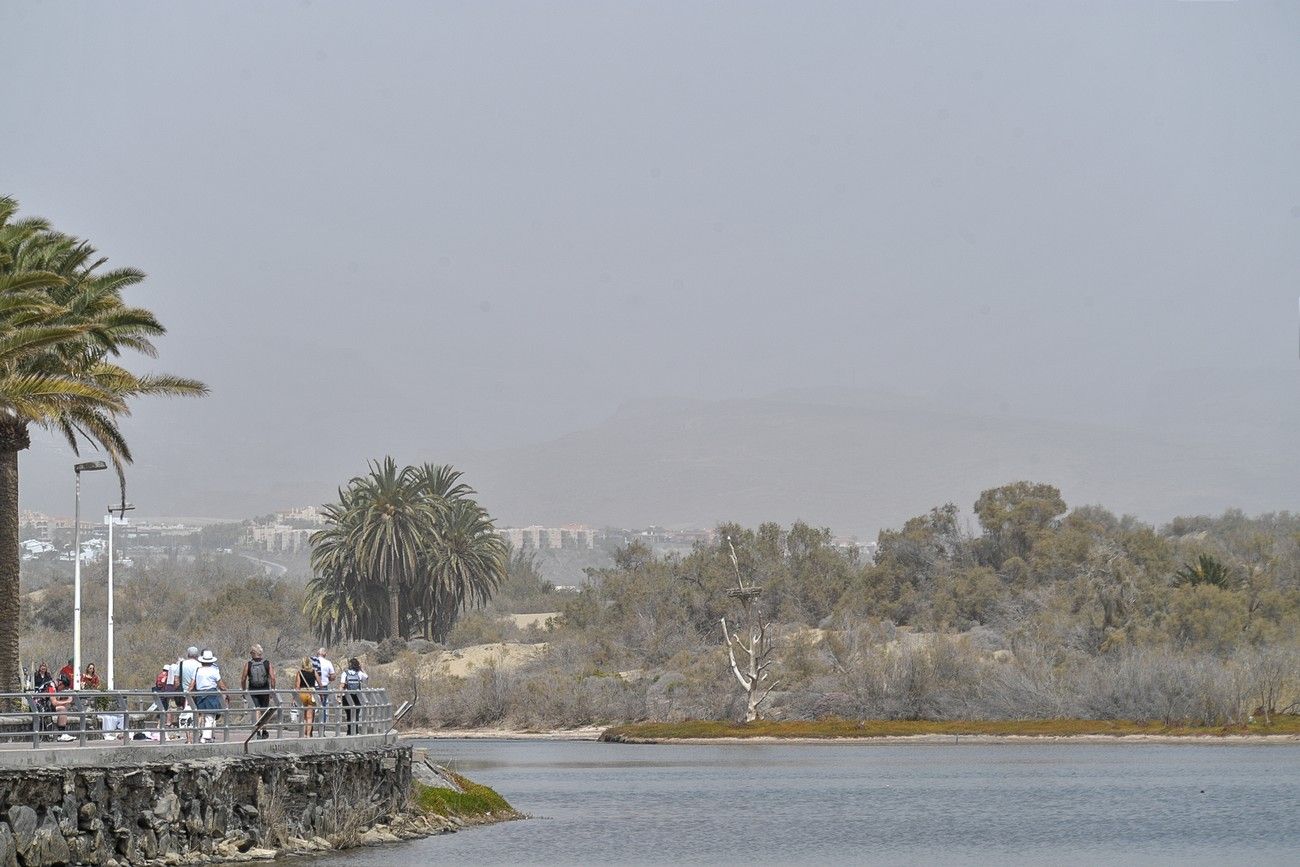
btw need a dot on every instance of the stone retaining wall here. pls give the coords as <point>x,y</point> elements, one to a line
<point>226,808</point>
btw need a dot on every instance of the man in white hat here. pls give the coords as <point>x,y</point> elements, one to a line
<point>209,693</point>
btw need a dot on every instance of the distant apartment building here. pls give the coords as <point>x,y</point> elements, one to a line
<point>538,538</point>
<point>307,515</point>
<point>39,522</point>
<point>662,536</point>
<point>690,537</point>
<point>280,539</point>
<point>160,533</point>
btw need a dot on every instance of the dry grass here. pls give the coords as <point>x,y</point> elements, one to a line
<point>274,816</point>
<point>840,728</point>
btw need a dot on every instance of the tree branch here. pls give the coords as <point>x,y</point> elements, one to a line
<point>744,684</point>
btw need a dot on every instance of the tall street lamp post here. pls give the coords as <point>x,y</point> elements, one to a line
<point>88,466</point>
<point>110,521</point>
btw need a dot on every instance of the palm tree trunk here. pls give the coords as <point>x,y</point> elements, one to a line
<point>13,439</point>
<point>394,612</point>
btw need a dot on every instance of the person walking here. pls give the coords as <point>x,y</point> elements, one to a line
<point>189,665</point>
<point>209,693</point>
<point>186,668</point>
<point>353,680</point>
<point>324,680</point>
<point>307,694</point>
<point>258,679</point>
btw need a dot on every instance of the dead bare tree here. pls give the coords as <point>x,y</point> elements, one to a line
<point>756,650</point>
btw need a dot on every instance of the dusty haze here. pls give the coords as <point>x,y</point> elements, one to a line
<point>983,242</point>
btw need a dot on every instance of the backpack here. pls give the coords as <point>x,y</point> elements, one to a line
<point>160,683</point>
<point>258,677</point>
<point>351,679</point>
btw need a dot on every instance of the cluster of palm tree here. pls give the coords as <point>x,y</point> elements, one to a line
<point>404,552</point>
<point>63,327</point>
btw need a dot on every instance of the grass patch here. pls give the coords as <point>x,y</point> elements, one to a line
<point>476,802</point>
<point>1287,724</point>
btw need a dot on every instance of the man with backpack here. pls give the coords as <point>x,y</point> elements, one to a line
<point>258,680</point>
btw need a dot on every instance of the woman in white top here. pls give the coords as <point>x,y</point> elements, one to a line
<point>209,693</point>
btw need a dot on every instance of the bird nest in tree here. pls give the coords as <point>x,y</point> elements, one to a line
<point>745,594</point>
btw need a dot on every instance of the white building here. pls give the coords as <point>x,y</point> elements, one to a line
<point>307,515</point>
<point>280,539</point>
<point>34,548</point>
<point>537,537</point>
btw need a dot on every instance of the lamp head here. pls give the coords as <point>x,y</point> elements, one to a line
<point>89,466</point>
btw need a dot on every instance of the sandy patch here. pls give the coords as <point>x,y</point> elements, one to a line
<point>523,621</point>
<point>468,660</point>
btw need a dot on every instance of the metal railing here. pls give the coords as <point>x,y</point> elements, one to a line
<point>145,717</point>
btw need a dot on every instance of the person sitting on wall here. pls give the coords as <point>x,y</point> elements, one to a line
<point>60,702</point>
<point>90,677</point>
<point>42,686</point>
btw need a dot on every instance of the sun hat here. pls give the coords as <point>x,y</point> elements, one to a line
<point>207,657</point>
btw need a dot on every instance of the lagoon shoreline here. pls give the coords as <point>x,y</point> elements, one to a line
<point>977,740</point>
<point>595,733</point>
<point>584,733</point>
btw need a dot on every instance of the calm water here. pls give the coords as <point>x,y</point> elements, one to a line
<point>624,804</point>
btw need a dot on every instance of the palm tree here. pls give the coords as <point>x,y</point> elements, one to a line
<point>441,484</point>
<point>63,324</point>
<point>380,525</point>
<point>464,565</point>
<point>402,549</point>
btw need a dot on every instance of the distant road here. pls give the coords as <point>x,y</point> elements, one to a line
<point>271,568</point>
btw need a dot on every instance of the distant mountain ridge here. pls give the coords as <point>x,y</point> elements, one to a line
<point>856,466</point>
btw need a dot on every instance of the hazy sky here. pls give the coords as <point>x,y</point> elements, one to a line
<point>429,228</point>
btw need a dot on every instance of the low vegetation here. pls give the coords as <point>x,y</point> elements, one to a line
<point>475,802</point>
<point>1045,613</point>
